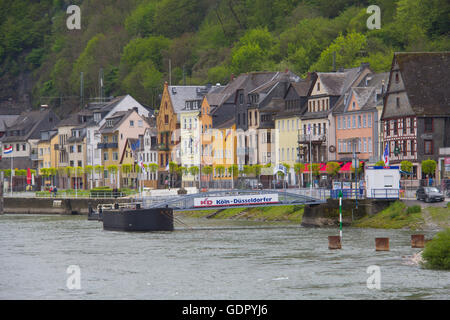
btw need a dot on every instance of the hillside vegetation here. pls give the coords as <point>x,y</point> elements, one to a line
<point>205,40</point>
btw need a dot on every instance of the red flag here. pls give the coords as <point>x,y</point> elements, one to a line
<point>28,176</point>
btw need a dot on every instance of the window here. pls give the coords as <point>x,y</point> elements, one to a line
<point>370,144</point>
<point>72,149</point>
<point>105,156</point>
<point>166,119</point>
<point>395,128</point>
<point>397,102</point>
<point>354,121</point>
<point>353,105</point>
<point>388,128</point>
<point>339,146</point>
<point>412,147</point>
<point>365,145</point>
<point>80,163</point>
<point>349,125</point>
<point>405,147</point>
<point>324,128</point>
<point>369,120</point>
<point>131,123</point>
<point>344,123</point>
<point>24,147</point>
<point>71,163</point>
<point>359,121</point>
<point>339,122</point>
<point>397,79</point>
<point>364,121</point>
<point>428,124</point>
<point>319,131</point>
<point>114,138</point>
<point>140,123</point>
<point>428,146</point>
<point>115,156</point>
<point>404,125</point>
<point>411,126</point>
<point>318,86</point>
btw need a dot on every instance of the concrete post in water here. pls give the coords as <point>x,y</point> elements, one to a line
<point>334,242</point>
<point>417,241</point>
<point>382,244</point>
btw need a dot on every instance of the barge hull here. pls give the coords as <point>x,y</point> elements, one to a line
<point>156,219</point>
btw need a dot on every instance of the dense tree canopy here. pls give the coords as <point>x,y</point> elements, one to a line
<point>131,41</point>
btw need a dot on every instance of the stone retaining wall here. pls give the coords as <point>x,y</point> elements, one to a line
<point>327,214</point>
<point>53,205</point>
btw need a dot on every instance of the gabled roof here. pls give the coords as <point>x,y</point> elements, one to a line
<point>118,118</point>
<point>180,94</point>
<point>426,78</point>
<point>31,123</point>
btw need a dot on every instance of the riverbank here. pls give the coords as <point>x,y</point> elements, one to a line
<point>288,214</point>
<point>395,216</point>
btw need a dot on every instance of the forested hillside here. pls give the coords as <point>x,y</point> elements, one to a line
<point>205,40</point>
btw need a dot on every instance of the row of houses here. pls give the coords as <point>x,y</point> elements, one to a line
<point>257,118</point>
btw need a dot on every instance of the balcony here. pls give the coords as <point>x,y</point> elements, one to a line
<point>108,145</point>
<point>314,138</point>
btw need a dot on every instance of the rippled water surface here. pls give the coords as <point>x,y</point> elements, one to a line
<point>213,260</point>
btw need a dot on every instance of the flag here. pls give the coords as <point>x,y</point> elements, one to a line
<point>386,155</point>
<point>8,150</point>
<point>28,176</point>
<point>135,145</point>
<point>141,164</point>
<point>228,133</point>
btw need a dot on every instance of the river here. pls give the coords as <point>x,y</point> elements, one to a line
<point>216,259</point>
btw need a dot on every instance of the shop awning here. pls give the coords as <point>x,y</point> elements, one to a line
<point>346,167</point>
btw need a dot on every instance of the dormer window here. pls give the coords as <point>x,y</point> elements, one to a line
<point>109,123</point>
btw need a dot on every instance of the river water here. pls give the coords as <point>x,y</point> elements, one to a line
<point>213,260</point>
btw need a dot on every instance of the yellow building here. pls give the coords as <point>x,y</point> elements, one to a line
<point>286,140</point>
<point>224,143</point>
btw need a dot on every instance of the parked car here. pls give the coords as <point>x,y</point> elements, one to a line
<point>258,186</point>
<point>279,184</point>
<point>429,194</point>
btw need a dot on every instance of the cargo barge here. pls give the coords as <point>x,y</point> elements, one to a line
<point>131,217</point>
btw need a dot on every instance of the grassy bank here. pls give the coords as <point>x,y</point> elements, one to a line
<point>396,216</point>
<point>277,213</point>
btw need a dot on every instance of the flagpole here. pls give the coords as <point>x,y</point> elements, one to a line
<point>11,175</point>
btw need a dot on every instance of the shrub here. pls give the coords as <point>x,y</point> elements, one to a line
<point>437,252</point>
<point>182,191</point>
<point>414,209</point>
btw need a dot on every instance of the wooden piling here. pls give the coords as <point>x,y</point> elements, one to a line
<point>334,242</point>
<point>382,244</point>
<point>417,241</point>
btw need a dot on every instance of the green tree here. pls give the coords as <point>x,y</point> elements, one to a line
<point>207,170</point>
<point>299,168</point>
<point>100,170</point>
<point>333,168</point>
<point>429,167</point>
<point>406,166</point>
<point>347,48</point>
